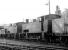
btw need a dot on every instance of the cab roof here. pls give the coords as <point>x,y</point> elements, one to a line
<point>51,16</point>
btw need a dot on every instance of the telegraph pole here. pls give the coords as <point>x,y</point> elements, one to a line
<point>49,7</point>
<point>49,22</point>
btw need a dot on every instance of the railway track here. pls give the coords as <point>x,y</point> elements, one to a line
<point>11,45</point>
<point>26,47</point>
<point>42,42</point>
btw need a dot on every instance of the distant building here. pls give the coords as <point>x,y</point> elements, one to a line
<point>58,11</point>
<point>65,16</point>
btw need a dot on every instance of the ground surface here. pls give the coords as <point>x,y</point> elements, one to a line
<point>31,44</point>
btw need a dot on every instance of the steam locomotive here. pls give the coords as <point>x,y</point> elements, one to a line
<point>49,28</point>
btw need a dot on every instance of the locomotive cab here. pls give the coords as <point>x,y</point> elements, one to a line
<point>49,34</point>
<point>50,18</point>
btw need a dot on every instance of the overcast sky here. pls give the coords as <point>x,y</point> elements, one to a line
<point>12,11</point>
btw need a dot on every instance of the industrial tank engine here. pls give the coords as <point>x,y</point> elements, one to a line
<point>42,29</point>
<point>49,28</point>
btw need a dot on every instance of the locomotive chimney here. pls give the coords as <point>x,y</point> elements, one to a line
<point>34,20</point>
<point>27,20</point>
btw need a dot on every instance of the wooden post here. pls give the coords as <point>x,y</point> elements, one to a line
<point>19,36</point>
<point>49,7</point>
<point>15,36</point>
<point>42,27</point>
<point>42,35</point>
<point>26,35</point>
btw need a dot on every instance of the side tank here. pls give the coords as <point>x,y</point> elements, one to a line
<point>35,27</point>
